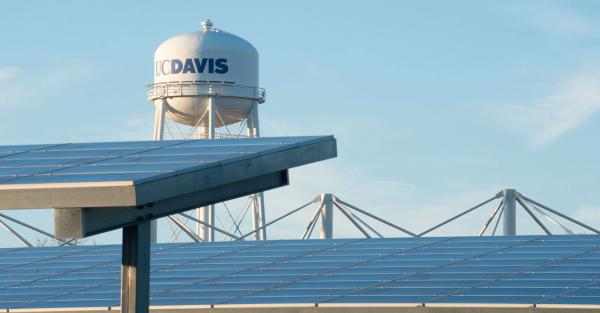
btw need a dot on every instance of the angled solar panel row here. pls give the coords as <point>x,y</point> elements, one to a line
<point>532,269</point>
<point>124,161</point>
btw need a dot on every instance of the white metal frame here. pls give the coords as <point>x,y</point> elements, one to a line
<point>205,228</point>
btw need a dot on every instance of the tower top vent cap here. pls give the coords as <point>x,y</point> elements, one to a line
<point>206,25</point>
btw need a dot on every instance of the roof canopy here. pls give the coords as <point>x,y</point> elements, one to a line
<point>98,187</point>
<point>513,273</point>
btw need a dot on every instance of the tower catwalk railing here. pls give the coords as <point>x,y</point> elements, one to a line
<point>202,88</point>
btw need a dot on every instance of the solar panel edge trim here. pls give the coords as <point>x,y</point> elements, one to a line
<point>132,192</point>
<point>235,169</point>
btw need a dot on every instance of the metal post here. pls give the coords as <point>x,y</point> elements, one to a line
<point>135,269</point>
<point>491,218</point>
<point>498,195</point>
<point>560,214</point>
<point>258,205</point>
<point>276,220</point>
<point>313,220</point>
<point>207,214</point>
<point>159,130</point>
<point>202,230</point>
<point>159,119</point>
<point>255,217</point>
<point>327,216</point>
<point>346,212</point>
<point>510,212</point>
<point>15,233</point>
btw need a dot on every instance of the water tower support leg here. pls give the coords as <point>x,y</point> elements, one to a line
<point>261,215</point>
<point>135,269</point>
<point>255,217</point>
<point>159,130</point>
<point>258,205</point>
<point>207,214</point>
<point>510,212</point>
<point>159,120</point>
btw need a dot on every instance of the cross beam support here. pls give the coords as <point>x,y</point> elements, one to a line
<point>135,268</point>
<point>83,222</point>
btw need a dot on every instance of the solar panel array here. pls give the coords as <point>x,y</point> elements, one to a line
<point>523,269</point>
<point>125,161</point>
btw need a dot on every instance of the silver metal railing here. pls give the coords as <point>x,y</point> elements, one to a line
<point>203,88</point>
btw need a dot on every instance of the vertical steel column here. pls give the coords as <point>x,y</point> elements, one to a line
<point>258,204</point>
<point>207,214</point>
<point>135,269</point>
<point>510,212</point>
<point>327,216</point>
<point>159,119</point>
<point>159,130</point>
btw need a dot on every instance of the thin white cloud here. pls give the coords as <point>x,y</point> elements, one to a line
<point>137,127</point>
<point>543,120</point>
<point>555,19</point>
<point>8,72</point>
<point>21,87</point>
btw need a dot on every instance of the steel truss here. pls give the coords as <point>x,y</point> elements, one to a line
<point>505,212</point>
<point>326,204</point>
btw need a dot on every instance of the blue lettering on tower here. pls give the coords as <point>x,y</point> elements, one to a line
<point>195,65</point>
<point>188,67</point>
<point>221,66</point>
<point>200,65</point>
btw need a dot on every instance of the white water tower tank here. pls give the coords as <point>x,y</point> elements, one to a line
<point>192,68</point>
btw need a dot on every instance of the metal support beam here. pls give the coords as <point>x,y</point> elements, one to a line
<point>207,213</point>
<point>226,233</point>
<point>498,221</point>
<point>258,205</point>
<point>360,220</point>
<point>510,212</point>
<point>277,219</point>
<point>537,221</point>
<point>560,214</point>
<point>14,220</point>
<point>491,218</point>
<point>159,130</point>
<point>548,217</point>
<point>83,222</point>
<point>202,229</point>
<point>185,229</point>
<point>159,119</point>
<point>375,217</point>
<point>460,214</point>
<point>15,233</point>
<point>313,220</point>
<point>135,269</point>
<point>352,220</point>
<point>326,216</point>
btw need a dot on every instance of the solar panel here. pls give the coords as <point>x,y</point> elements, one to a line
<point>144,180</point>
<point>129,161</point>
<point>512,270</point>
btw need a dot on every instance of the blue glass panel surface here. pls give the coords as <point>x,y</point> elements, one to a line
<point>539,270</point>
<point>131,161</point>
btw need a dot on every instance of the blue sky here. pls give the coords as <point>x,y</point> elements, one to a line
<point>436,105</point>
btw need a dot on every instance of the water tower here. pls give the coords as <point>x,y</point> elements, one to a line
<point>206,80</point>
